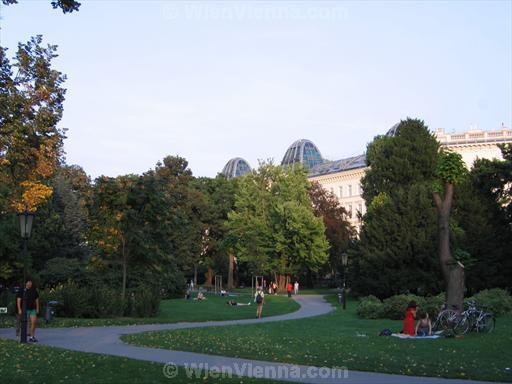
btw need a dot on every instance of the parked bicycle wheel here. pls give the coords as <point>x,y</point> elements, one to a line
<point>462,325</point>
<point>486,324</point>
<point>448,319</point>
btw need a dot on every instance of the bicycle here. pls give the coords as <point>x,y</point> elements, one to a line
<point>446,319</point>
<point>462,322</point>
<point>474,319</point>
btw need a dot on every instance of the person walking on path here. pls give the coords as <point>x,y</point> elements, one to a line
<point>289,289</point>
<point>259,299</point>
<point>296,287</point>
<point>32,297</point>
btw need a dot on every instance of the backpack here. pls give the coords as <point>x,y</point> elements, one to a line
<point>385,332</point>
<point>259,298</point>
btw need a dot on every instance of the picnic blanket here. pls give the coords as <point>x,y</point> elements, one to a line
<point>404,336</point>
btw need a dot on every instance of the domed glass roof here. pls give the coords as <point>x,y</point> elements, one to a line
<point>236,167</point>
<point>302,151</point>
<point>392,131</point>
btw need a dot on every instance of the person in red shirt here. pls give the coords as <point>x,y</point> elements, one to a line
<point>289,288</point>
<point>410,313</point>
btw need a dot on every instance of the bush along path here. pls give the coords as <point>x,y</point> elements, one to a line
<point>106,340</point>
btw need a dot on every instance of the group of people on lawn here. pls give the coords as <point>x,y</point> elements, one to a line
<point>424,325</point>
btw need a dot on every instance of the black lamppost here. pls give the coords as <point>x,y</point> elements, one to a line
<point>26,220</point>
<point>344,262</point>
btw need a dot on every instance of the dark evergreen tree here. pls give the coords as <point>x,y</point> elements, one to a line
<point>397,248</point>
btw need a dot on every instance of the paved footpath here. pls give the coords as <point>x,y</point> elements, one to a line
<point>106,340</point>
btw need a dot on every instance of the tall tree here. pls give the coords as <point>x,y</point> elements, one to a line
<point>396,252</point>
<point>31,106</point>
<point>148,224</point>
<point>450,172</point>
<point>485,201</point>
<point>217,254</point>
<point>273,223</point>
<point>338,230</point>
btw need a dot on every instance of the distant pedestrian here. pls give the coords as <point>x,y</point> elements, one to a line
<point>289,289</point>
<point>296,287</point>
<point>32,306</point>
<point>259,299</point>
<point>16,290</point>
<point>191,285</point>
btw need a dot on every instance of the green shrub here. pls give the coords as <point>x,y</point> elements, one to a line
<point>8,300</point>
<point>101,301</point>
<point>370,307</point>
<point>143,301</point>
<point>495,300</point>
<point>432,305</point>
<point>395,306</point>
<point>106,302</point>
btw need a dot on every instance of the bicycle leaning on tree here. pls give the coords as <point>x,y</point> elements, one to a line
<point>471,319</point>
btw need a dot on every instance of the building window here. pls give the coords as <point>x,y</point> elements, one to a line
<point>332,190</point>
<point>350,190</point>
<point>341,191</point>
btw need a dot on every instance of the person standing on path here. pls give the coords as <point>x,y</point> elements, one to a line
<point>32,297</point>
<point>289,289</point>
<point>259,299</point>
<point>296,287</point>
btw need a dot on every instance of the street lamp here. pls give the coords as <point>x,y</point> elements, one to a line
<point>26,221</point>
<point>344,262</point>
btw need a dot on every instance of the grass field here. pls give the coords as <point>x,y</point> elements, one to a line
<point>31,363</point>
<point>178,310</point>
<point>341,339</point>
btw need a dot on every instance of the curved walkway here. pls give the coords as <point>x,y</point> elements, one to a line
<point>106,340</point>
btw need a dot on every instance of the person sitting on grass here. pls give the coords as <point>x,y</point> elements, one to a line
<point>200,296</point>
<point>424,326</point>
<point>233,302</point>
<point>410,313</point>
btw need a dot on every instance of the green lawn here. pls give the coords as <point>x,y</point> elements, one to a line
<point>31,363</point>
<point>341,339</point>
<point>178,310</point>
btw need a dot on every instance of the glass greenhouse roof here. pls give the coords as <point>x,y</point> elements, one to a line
<point>339,165</point>
<point>236,167</point>
<point>302,151</point>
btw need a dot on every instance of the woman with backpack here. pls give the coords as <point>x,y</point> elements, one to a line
<point>259,299</point>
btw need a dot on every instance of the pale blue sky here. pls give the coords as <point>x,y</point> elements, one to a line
<point>213,80</point>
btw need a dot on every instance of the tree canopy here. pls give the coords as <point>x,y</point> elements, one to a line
<point>273,224</point>
<point>396,252</point>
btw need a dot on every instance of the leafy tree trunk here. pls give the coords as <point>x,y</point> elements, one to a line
<point>453,272</point>
<point>231,268</point>
<point>195,274</point>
